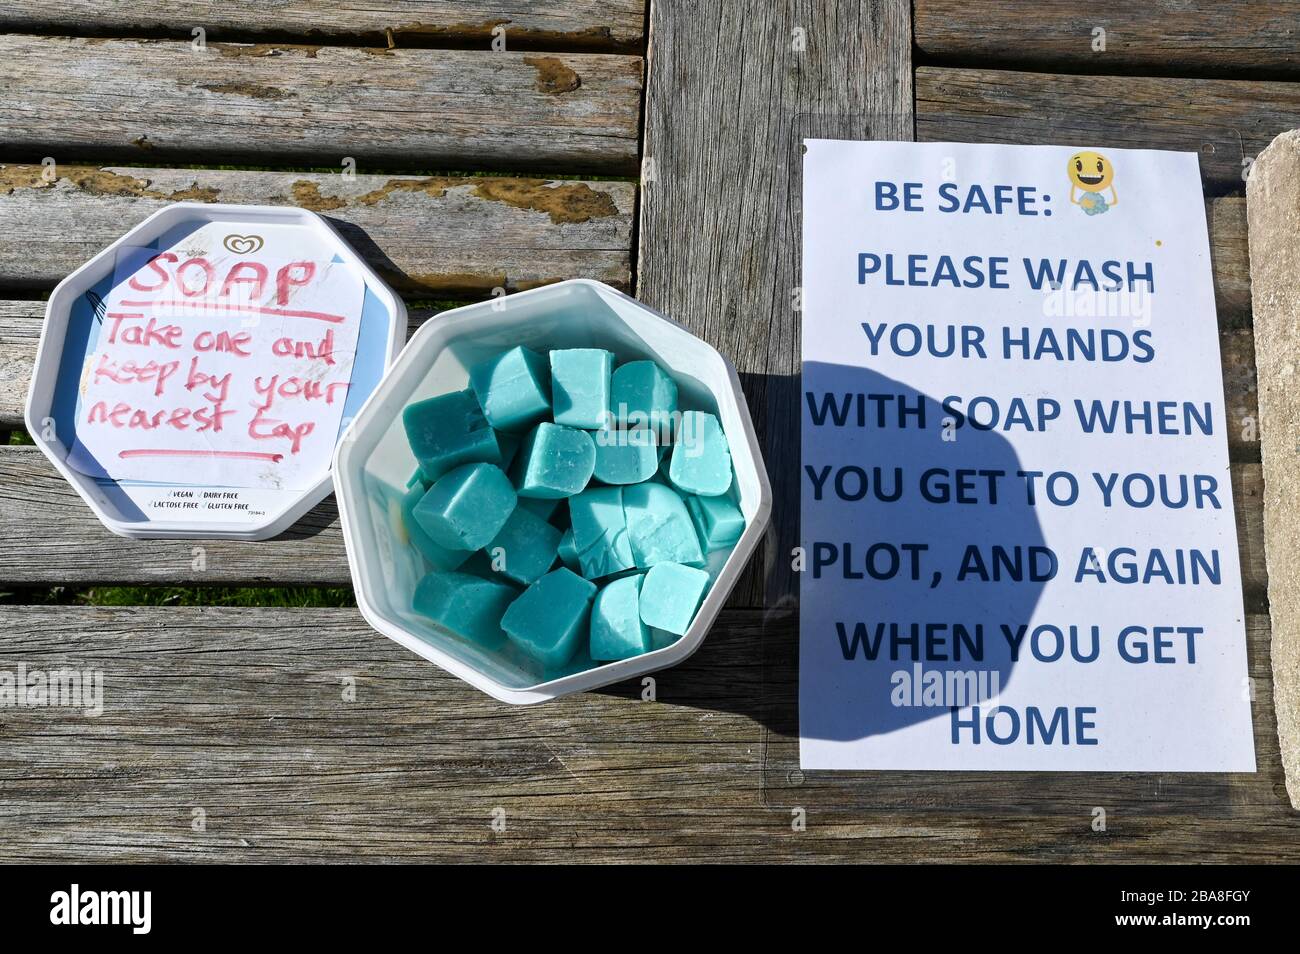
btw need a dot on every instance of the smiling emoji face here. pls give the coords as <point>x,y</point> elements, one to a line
<point>1090,171</point>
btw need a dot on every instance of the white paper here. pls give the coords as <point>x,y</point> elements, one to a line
<point>223,360</point>
<point>1170,695</point>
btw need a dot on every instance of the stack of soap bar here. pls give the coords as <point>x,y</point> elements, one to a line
<point>617,631</point>
<point>554,461</point>
<point>550,619</point>
<point>600,532</point>
<point>467,506</point>
<point>659,527</point>
<point>580,386</point>
<point>642,393</point>
<point>670,595</point>
<point>525,548</point>
<point>447,431</point>
<point>626,456</point>
<point>701,459</point>
<point>718,521</point>
<point>606,473</point>
<point>514,389</point>
<point>465,604</point>
<point>439,557</point>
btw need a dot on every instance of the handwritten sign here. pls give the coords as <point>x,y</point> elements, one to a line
<point>1018,546</point>
<point>223,360</point>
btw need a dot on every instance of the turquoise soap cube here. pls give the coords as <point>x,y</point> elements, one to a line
<point>670,594</point>
<point>468,605</point>
<point>438,556</point>
<point>549,620</point>
<point>626,456</point>
<point>580,386</point>
<point>568,551</point>
<point>600,532</point>
<point>718,521</point>
<point>659,526</point>
<point>617,631</point>
<point>525,548</point>
<point>701,459</point>
<point>642,393</point>
<point>447,431</point>
<point>467,507</point>
<point>514,389</point>
<point>555,461</point>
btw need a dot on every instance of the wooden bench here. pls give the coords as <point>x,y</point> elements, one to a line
<point>664,162</point>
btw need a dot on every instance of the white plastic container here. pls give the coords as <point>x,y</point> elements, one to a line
<point>373,463</point>
<point>132,508</point>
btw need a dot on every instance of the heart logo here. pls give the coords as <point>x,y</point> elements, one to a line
<point>243,244</point>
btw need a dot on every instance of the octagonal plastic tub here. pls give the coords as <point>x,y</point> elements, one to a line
<point>373,463</point>
<point>72,333</point>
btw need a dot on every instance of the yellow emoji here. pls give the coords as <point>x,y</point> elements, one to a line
<point>1091,174</point>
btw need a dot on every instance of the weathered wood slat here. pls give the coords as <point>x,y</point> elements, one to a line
<point>1240,37</point>
<point>274,104</point>
<point>570,24</point>
<point>427,235</point>
<point>1230,255</point>
<point>241,713</point>
<point>719,224</point>
<point>1226,121</point>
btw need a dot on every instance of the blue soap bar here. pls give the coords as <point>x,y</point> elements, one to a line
<point>568,551</point>
<point>525,548</point>
<point>659,526</point>
<point>670,595</point>
<point>447,431</point>
<point>701,460</point>
<point>718,521</point>
<point>580,386</point>
<point>467,507</point>
<point>465,604</point>
<point>438,556</point>
<point>555,461</point>
<point>617,631</point>
<point>626,456</point>
<point>642,393</point>
<point>600,532</point>
<point>514,389</point>
<point>550,619</point>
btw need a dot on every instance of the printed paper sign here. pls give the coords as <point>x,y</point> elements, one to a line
<point>1018,542</point>
<point>223,360</point>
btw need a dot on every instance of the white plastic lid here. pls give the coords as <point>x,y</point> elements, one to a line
<point>194,377</point>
